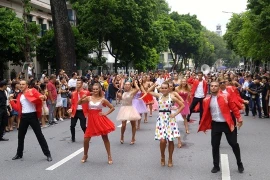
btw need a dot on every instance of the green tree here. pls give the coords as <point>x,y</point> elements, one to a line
<point>65,50</point>
<point>245,38</point>
<point>15,43</point>
<point>185,40</point>
<point>126,27</point>
<point>205,54</point>
<point>46,49</point>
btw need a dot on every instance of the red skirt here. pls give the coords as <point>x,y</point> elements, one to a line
<point>148,99</point>
<point>98,125</point>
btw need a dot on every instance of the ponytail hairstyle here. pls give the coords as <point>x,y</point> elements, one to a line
<point>100,93</point>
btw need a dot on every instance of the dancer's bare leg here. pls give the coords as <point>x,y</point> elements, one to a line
<point>123,129</point>
<point>107,147</point>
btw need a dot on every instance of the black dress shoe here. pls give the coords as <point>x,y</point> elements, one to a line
<point>16,157</point>
<point>49,158</point>
<point>73,140</point>
<point>240,168</point>
<point>215,170</point>
<point>3,139</point>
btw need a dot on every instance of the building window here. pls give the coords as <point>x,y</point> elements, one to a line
<point>29,18</point>
<point>40,21</point>
<point>71,15</point>
<point>161,58</point>
<point>43,27</point>
<point>170,57</point>
<point>50,24</point>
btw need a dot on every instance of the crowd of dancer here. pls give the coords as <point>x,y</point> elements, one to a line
<point>220,98</point>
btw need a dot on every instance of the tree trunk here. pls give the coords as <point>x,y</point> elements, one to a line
<point>26,49</point>
<point>1,73</point>
<point>257,66</point>
<point>245,63</point>
<point>100,41</point>
<point>181,64</point>
<point>64,38</point>
<point>115,64</point>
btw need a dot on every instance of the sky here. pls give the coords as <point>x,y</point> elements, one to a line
<point>209,12</point>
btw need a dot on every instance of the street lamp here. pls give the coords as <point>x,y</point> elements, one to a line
<point>227,12</point>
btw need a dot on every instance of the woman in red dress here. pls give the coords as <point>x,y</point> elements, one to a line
<point>98,123</point>
<point>148,98</point>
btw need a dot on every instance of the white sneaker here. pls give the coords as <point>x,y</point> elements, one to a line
<point>55,120</point>
<point>61,119</point>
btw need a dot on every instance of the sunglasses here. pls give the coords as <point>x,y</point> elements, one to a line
<point>221,82</point>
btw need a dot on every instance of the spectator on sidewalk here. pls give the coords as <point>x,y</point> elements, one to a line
<point>52,97</point>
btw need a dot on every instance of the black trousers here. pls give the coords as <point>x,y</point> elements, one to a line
<point>217,129</point>
<point>79,115</point>
<point>265,106</point>
<point>32,120</point>
<point>247,105</point>
<point>3,120</point>
<point>195,101</point>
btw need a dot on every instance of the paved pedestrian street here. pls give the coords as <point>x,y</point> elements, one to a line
<point>139,161</point>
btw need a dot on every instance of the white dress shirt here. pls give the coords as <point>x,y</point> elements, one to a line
<point>160,81</point>
<point>72,82</point>
<point>224,91</point>
<point>27,106</point>
<point>199,91</point>
<point>79,107</point>
<point>215,110</point>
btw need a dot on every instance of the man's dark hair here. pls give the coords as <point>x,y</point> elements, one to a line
<point>258,78</point>
<point>3,83</point>
<point>264,77</point>
<point>73,74</point>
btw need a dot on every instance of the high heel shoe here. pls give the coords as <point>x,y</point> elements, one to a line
<point>110,162</point>
<point>132,142</point>
<point>170,164</point>
<point>187,132</point>
<point>162,161</point>
<point>84,158</point>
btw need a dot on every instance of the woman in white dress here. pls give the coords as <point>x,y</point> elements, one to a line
<point>127,112</point>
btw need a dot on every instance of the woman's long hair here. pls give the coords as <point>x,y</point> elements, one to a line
<point>186,88</point>
<point>100,93</point>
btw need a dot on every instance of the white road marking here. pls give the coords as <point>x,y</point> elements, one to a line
<point>56,165</point>
<point>121,124</point>
<point>225,170</point>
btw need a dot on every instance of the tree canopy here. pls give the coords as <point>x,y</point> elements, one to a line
<point>248,34</point>
<point>14,39</point>
<point>46,49</point>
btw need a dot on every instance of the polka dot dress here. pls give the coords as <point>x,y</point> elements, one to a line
<point>166,127</point>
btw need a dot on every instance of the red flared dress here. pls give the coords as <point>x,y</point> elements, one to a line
<point>97,125</point>
<point>148,98</point>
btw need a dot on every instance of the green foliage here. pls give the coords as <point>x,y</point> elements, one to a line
<point>184,38</point>
<point>248,33</point>
<point>14,39</point>
<point>11,32</point>
<point>128,28</point>
<point>46,50</point>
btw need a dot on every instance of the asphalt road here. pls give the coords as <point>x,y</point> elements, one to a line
<point>139,161</point>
